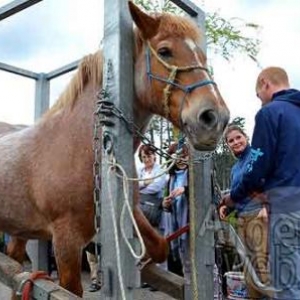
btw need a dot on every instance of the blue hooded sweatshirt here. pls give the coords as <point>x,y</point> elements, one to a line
<point>246,205</point>
<point>274,167</point>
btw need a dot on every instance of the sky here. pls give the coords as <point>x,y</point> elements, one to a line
<point>54,33</point>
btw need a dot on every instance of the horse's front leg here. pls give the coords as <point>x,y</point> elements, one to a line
<point>68,251</point>
<point>16,249</point>
<point>156,245</point>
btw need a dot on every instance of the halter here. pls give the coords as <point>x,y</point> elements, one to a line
<point>172,76</point>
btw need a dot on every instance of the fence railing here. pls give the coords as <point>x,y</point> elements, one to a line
<point>12,275</point>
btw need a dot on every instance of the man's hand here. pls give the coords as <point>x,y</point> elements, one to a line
<point>226,200</point>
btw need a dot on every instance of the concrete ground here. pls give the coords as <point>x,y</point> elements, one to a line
<point>139,294</point>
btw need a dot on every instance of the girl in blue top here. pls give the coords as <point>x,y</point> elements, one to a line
<point>252,215</point>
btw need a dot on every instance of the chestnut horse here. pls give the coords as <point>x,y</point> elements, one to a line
<point>46,178</point>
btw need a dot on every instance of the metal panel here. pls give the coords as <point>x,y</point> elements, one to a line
<point>188,6</point>
<point>118,83</point>
<point>14,7</point>
<point>63,70</point>
<point>18,71</point>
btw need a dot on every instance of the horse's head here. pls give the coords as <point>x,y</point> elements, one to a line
<point>171,78</point>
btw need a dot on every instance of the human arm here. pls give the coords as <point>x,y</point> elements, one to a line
<point>155,183</point>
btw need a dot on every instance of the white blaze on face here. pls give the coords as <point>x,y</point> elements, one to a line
<point>193,46</point>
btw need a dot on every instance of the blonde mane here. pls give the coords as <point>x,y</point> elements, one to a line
<point>89,70</point>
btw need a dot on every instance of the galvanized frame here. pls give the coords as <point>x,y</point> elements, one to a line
<point>120,86</point>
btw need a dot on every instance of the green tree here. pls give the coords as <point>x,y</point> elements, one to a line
<point>226,37</point>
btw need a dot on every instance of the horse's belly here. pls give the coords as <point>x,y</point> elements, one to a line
<point>29,226</point>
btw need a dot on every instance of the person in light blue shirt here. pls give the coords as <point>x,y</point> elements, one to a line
<point>176,206</point>
<point>152,186</point>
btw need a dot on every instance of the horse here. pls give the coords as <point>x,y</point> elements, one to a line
<point>46,178</point>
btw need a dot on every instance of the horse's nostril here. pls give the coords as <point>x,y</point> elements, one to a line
<point>208,117</point>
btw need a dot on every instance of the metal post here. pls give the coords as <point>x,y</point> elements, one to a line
<point>202,287</point>
<point>204,243</point>
<point>41,95</point>
<point>118,86</point>
<point>200,190</point>
<point>38,249</point>
<point>15,7</point>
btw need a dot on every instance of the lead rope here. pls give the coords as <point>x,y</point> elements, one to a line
<point>192,202</point>
<point>113,167</point>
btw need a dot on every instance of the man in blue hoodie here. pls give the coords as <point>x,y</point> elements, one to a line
<point>274,171</point>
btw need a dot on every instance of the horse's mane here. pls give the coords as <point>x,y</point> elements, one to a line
<point>89,70</point>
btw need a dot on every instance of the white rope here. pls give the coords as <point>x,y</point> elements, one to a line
<point>175,159</point>
<point>128,206</point>
<point>115,229</point>
<point>125,180</point>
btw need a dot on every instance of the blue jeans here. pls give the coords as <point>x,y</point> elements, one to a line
<point>285,254</point>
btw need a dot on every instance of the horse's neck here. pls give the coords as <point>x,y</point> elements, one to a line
<point>141,120</point>
<point>67,134</point>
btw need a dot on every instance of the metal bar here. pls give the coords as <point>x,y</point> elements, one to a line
<point>18,71</point>
<point>12,276</point>
<point>188,6</point>
<point>164,281</point>
<point>118,83</point>
<point>201,193</point>
<point>41,105</point>
<point>63,70</point>
<point>15,7</point>
<point>200,190</point>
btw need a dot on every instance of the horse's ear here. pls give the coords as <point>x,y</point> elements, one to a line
<point>147,25</point>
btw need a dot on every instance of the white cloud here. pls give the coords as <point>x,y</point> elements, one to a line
<point>17,99</point>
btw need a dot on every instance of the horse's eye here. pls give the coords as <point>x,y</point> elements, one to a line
<point>164,52</point>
